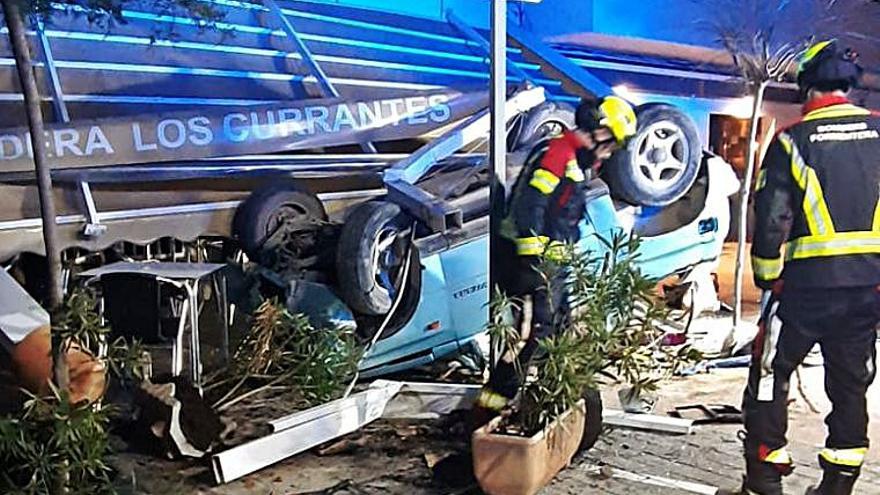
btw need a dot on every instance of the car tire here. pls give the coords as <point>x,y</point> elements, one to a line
<point>593,423</point>
<point>542,122</point>
<point>263,211</point>
<point>369,254</point>
<point>659,165</point>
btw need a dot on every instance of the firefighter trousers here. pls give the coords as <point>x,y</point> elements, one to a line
<point>546,311</point>
<point>843,322</point>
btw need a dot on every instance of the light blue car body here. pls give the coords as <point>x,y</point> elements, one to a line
<point>453,305</point>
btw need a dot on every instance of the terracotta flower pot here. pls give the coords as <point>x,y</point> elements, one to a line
<point>32,362</point>
<point>512,465</point>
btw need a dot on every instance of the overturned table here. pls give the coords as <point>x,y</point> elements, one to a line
<point>190,278</point>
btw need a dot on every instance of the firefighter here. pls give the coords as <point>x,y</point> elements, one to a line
<point>817,193</point>
<point>546,205</point>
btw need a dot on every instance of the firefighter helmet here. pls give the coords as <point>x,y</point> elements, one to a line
<point>611,112</point>
<point>824,66</point>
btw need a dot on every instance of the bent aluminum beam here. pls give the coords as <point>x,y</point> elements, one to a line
<point>574,78</point>
<point>304,430</point>
<point>307,429</point>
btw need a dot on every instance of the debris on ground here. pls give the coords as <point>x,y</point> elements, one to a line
<point>708,413</point>
<point>173,420</point>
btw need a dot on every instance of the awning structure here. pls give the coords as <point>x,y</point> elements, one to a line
<point>651,66</point>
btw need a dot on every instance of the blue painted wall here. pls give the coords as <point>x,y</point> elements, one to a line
<point>680,21</point>
<point>553,17</point>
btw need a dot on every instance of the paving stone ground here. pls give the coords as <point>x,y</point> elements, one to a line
<point>391,458</point>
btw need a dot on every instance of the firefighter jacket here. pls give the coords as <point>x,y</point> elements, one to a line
<point>817,194</point>
<point>548,199</point>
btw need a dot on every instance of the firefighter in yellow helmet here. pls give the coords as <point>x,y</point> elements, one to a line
<point>546,205</point>
<point>818,195</point>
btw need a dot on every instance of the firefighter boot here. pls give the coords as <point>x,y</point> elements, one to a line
<point>761,478</point>
<point>764,470</point>
<point>835,482</point>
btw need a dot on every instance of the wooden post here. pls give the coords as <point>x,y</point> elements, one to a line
<point>744,203</point>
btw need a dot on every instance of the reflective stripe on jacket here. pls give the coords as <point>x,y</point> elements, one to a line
<point>547,202</point>
<point>818,197</point>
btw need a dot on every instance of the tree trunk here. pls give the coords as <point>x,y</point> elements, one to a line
<point>744,204</point>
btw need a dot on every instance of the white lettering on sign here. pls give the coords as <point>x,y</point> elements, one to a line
<point>290,121</point>
<point>317,116</point>
<point>262,130</point>
<point>97,141</point>
<point>11,147</point>
<point>344,117</point>
<point>139,144</point>
<point>171,133</point>
<point>201,133</point>
<point>393,109</point>
<point>67,140</point>
<point>369,114</point>
<point>149,138</point>
<point>237,134</point>
<point>415,108</point>
<point>440,111</point>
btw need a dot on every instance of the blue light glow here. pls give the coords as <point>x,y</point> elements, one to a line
<point>223,26</point>
<point>167,69</point>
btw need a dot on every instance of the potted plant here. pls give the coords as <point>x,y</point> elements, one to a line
<point>610,337</point>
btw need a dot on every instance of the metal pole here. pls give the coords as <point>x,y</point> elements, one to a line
<point>497,135</point>
<point>32,101</point>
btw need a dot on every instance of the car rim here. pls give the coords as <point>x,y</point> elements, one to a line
<point>551,128</point>
<point>662,154</point>
<point>384,260</point>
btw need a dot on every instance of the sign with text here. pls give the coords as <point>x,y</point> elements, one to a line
<point>195,134</point>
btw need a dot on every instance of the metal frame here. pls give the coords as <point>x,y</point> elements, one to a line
<point>474,36</point>
<point>52,72</point>
<point>314,69</point>
<point>160,211</point>
<point>189,284</point>
<point>556,65</point>
<point>93,227</point>
<point>400,179</point>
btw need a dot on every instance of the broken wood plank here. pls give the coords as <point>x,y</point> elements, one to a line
<point>651,422</point>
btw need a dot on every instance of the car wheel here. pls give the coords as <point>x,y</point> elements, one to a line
<point>369,256</point>
<point>268,209</point>
<point>661,162</point>
<point>544,121</point>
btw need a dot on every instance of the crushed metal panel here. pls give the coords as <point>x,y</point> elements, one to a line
<point>431,400</point>
<point>20,314</point>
